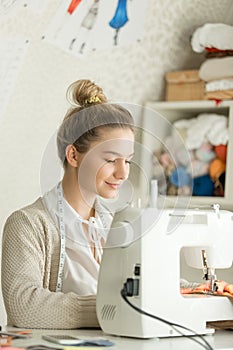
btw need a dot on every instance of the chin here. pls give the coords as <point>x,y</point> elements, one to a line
<point>109,195</point>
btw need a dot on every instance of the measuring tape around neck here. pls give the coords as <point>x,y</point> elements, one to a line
<point>92,230</point>
<point>63,238</point>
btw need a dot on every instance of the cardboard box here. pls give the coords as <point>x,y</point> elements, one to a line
<point>184,86</point>
<point>219,95</point>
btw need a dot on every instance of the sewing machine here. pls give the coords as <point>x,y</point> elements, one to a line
<point>143,248</point>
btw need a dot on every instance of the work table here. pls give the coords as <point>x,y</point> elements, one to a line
<point>220,340</point>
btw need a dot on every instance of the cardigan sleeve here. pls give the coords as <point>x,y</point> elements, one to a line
<point>28,251</point>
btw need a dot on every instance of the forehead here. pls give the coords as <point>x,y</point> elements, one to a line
<point>115,140</point>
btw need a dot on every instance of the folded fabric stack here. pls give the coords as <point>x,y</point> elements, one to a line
<point>193,161</point>
<point>216,40</point>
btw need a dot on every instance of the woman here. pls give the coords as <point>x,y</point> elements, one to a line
<point>52,248</point>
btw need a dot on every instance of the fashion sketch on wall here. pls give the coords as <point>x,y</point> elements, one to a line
<point>82,26</point>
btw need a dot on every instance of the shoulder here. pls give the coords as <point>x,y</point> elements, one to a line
<point>34,214</point>
<point>34,209</point>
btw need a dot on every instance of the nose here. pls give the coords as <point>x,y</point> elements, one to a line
<point>121,170</point>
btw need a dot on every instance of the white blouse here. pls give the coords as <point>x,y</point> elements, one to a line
<point>80,267</point>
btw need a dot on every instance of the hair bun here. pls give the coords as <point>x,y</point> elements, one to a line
<point>84,93</point>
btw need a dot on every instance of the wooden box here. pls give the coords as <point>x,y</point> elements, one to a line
<point>184,86</point>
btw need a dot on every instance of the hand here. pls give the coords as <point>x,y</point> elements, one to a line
<point>186,290</point>
<point>222,287</point>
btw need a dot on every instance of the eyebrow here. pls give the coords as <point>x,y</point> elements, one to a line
<point>117,154</point>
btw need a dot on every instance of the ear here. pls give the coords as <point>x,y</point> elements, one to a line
<point>72,156</point>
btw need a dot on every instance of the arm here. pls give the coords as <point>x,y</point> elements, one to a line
<point>190,287</point>
<point>30,260</point>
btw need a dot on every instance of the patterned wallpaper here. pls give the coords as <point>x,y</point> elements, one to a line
<point>134,73</point>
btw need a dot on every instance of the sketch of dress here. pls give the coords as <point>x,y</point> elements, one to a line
<point>119,19</point>
<point>86,26</point>
<point>80,27</point>
<point>61,27</point>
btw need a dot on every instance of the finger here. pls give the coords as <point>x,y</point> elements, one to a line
<point>229,288</point>
<point>221,285</point>
<point>203,287</point>
<point>185,290</point>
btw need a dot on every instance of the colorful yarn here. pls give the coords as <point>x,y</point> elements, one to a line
<point>217,167</point>
<point>198,168</point>
<point>180,177</point>
<point>203,186</point>
<point>184,157</point>
<point>219,186</point>
<point>205,153</point>
<point>221,152</point>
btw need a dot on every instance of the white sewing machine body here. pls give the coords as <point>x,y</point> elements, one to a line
<point>154,259</point>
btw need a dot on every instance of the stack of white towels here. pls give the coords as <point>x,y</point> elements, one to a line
<point>216,40</point>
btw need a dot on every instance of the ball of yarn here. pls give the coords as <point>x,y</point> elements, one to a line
<point>203,186</point>
<point>184,157</point>
<point>180,177</point>
<point>221,152</point>
<point>166,160</point>
<point>171,190</point>
<point>184,191</point>
<point>198,168</point>
<point>219,186</point>
<point>205,152</point>
<point>217,167</point>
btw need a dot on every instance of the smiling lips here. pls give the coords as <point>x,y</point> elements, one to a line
<point>113,186</point>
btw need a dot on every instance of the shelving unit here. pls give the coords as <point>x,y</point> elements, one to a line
<point>157,120</point>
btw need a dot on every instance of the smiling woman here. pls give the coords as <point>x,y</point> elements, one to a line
<point>52,248</point>
<point>106,164</point>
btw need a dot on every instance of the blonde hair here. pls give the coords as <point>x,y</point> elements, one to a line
<point>89,112</point>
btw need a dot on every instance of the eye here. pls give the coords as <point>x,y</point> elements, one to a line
<point>109,161</point>
<point>128,162</point>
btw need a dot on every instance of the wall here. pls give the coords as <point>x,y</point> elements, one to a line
<point>134,74</point>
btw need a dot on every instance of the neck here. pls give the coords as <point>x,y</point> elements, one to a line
<point>79,199</point>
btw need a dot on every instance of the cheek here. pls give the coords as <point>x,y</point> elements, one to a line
<point>87,174</point>
<point>89,167</point>
<point>92,172</point>
<point>103,173</point>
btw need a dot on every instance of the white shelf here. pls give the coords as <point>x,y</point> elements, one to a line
<point>157,122</point>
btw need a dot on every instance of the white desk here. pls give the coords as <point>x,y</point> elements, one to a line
<point>220,340</point>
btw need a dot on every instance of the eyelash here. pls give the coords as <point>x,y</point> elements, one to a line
<point>112,161</point>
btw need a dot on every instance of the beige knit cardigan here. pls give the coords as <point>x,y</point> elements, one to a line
<point>30,260</point>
